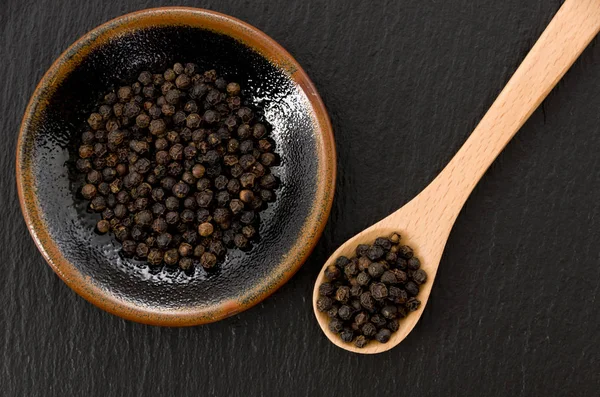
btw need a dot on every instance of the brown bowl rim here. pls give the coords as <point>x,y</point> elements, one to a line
<point>315,221</point>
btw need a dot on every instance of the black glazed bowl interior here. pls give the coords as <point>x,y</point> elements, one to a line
<point>116,53</point>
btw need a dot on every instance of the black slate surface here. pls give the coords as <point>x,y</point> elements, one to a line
<point>514,308</point>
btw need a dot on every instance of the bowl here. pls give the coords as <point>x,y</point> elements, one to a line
<point>116,52</point>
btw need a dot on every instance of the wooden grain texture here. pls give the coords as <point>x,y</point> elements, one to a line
<point>426,221</point>
<point>514,307</point>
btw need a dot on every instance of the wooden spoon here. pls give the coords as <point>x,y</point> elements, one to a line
<point>425,222</point>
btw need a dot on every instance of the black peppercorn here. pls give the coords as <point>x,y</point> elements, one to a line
<point>204,198</point>
<point>221,215</point>
<point>378,320</point>
<point>411,288</point>
<point>163,240</point>
<point>384,243</point>
<point>378,290</point>
<point>363,279</point>
<point>121,233</point>
<point>397,295</point>
<point>405,251</point>
<point>129,247</point>
<point>419,276</point>
<point>88,191</point>
<point>145,78</point>
<point>345,312</point>
<point>414,263</point>
<point>120,211</point>
<point>158,209</point>
<point>190,69</point>
<point>246,146</point>
<point>168,183</point>
<point>199,251</point>
<point>245,114</point>
<point>205,229</point>
<point>333,312</point>
<point>388,277</point>
<point>324,303</point>
<point>332,273</point>
<point>361,318</point>
<point>142,250</point>
<point>180,189</point>
<point>336,325</point>
<point>267,195</point>
<point>155,257</point>
<point>363,263</point>
<point>94,177</point>
<point>393,325</point>
<point>137,233</point>
<point>369,329</point>
<point>326,289</point>
<point>236,206</point>
<point>185,249</point>
<point>111,201</point>
<point>236,171</point>
<point>160,225</point>
<point>141,203</point>
<point>203,215</point>
<point>248,231</point>
<point>104,189</point>
<point>376,269</point>
<point>198,171</point>
<point>187,216</point>
<point>246,161</point>
<point>355,291</point>
<point>268,159</point>
<point>208,260</point>
<point>413,304</point>
<point>366,300</point>
<point>98,204</point>
<point>172,217</point>
<point>110,98</point>
<point>246,196</point>
<point>185,263</point>
<point>222,198</point>
<point>383,335</point>
<point>361,250</point>
<point>351,269</point>
<point>360,341</point>
<point>190,203</point>
<point>375,252</point>
<point>391,258</point>
<point>103,226</point>
<point>171,257</point>
<point>347,335</point>
<point>402,264</point>
<point>183,81</point>
<point>389,311</point>
<point>83,165</point>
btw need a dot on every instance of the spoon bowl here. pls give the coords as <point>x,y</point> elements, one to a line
<point>368,236</point>
<point>418,230</point>
<point>425,222</point>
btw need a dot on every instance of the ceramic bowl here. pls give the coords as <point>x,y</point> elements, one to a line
<point>117,52</point>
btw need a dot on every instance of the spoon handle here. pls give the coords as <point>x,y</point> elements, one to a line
<point>573,27</point>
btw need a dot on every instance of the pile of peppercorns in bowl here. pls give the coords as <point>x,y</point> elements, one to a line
<point>365,296</point>
<point>178,166</point>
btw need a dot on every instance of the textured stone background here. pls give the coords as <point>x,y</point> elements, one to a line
<point>514,309</point>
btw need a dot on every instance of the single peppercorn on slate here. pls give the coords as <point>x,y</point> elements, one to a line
<point>366,295</point>
<point>178,167</point>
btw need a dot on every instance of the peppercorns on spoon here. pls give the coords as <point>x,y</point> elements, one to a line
<point>425,222</point>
